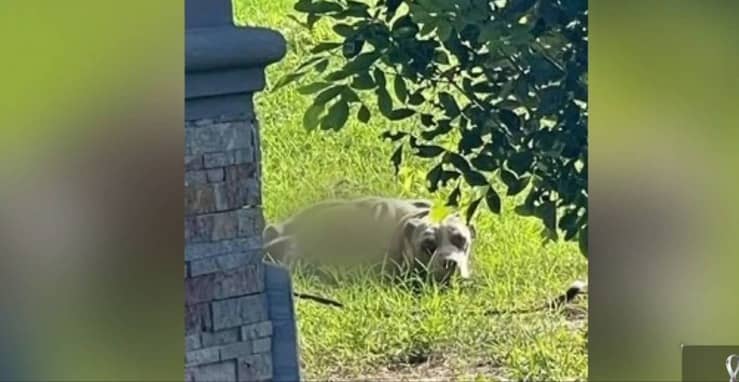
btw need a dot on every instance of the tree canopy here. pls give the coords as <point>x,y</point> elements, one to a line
<point>506,79</point>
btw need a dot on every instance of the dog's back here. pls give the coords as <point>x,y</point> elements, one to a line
<point>347,232</point>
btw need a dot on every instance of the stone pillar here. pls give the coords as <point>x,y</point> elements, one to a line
<point>239,317</point>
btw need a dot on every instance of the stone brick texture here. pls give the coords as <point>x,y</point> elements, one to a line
<point>228,333</point>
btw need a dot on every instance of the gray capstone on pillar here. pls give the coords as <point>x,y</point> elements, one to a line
<point>239,317</point>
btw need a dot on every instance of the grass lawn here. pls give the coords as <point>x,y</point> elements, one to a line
<point>385,332</point>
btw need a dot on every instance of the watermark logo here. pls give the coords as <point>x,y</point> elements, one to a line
<point>701,363</point>
<point>732,368</point>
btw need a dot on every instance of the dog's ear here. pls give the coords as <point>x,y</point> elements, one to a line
<point>422,203</point>
<point>397,250</point>
<point>473,231</point>
<point>410,226</point>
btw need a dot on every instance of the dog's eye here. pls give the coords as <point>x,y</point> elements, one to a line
<point>429,245</point>
<point>458,240</point>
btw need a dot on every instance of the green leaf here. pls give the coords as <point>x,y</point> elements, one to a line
<point>483,87</point>
<point>510,119</point>
<point>297,20</point>
<point>484,162</point>
<point>287,79</point>
<point>392,7</point>
<point>302,5</point>
<point>427,120</point>
<point>428,151</point>
<point>337,115</point>
<point>399,114</point>
<point>474,178</point>
<point>311,20</point>
<point>312,116</point>
<point>384,102</point>
<point>568,223</point>
<point>493,200</point>
<point>379,77</point>
<point>549,13</point>
<point>441,57</point>
<point>519,34</point>
<point>551,99</point>
<point>443,126</point>
<point>449,104</point>
<point>314,87</point>
<point>471,139</point>
<point>351,47</point>
<point>352,12</point>
<point>519,185</point>
<point>317,7</point>
<point>324,46</point>
<point>416,98</point>
<point>520,162</point>
<point>355,9</point>
<point>509,178</point>
<point>338,75</point>
<point>467,86</point>
<point>353,4</point>
<point>527,208</point>
<point>418,13</point>
<point>521,89</point>
<point>448,176</point>
<point>397,158</point>
<point>393,136</point>
<point>363,81</point>
<point>343,30</point>
<point>400,90</point>
<point>458,161</point>
<point>548,236</point>
<point>362,62</point>
<point>444,30</point>
<point>363,114</point>
<point>321,66</point>
<point>328,94</point>
<point>309,62</point>
<point>491,32</point>
<point>433,177</point>
<point>454,196</point>
<point>428,27</point>
<point>471,209</point>
<point>349,95</point>
<point>524,210</point>
<point>516,8</point>
<point>548,214</point>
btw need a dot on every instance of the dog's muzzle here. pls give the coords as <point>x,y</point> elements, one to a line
<point>460,260</point>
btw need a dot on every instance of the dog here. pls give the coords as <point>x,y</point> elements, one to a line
<point>397,235</point>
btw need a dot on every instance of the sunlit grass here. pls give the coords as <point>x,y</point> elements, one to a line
<point>386,332</point>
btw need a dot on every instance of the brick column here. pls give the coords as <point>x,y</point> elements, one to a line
<point>239,318</point>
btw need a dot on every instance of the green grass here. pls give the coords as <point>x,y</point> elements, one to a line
<point>385,332</point>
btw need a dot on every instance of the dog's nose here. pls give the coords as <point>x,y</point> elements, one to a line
<point>449,265</point>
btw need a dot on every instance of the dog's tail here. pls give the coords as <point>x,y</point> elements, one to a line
<point>576,288</point>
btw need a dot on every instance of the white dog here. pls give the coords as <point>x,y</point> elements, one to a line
<point>395,233</point>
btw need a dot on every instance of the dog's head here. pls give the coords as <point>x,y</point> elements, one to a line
<point>442,247</point>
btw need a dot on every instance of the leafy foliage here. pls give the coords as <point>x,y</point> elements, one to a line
<point>507,79</point>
